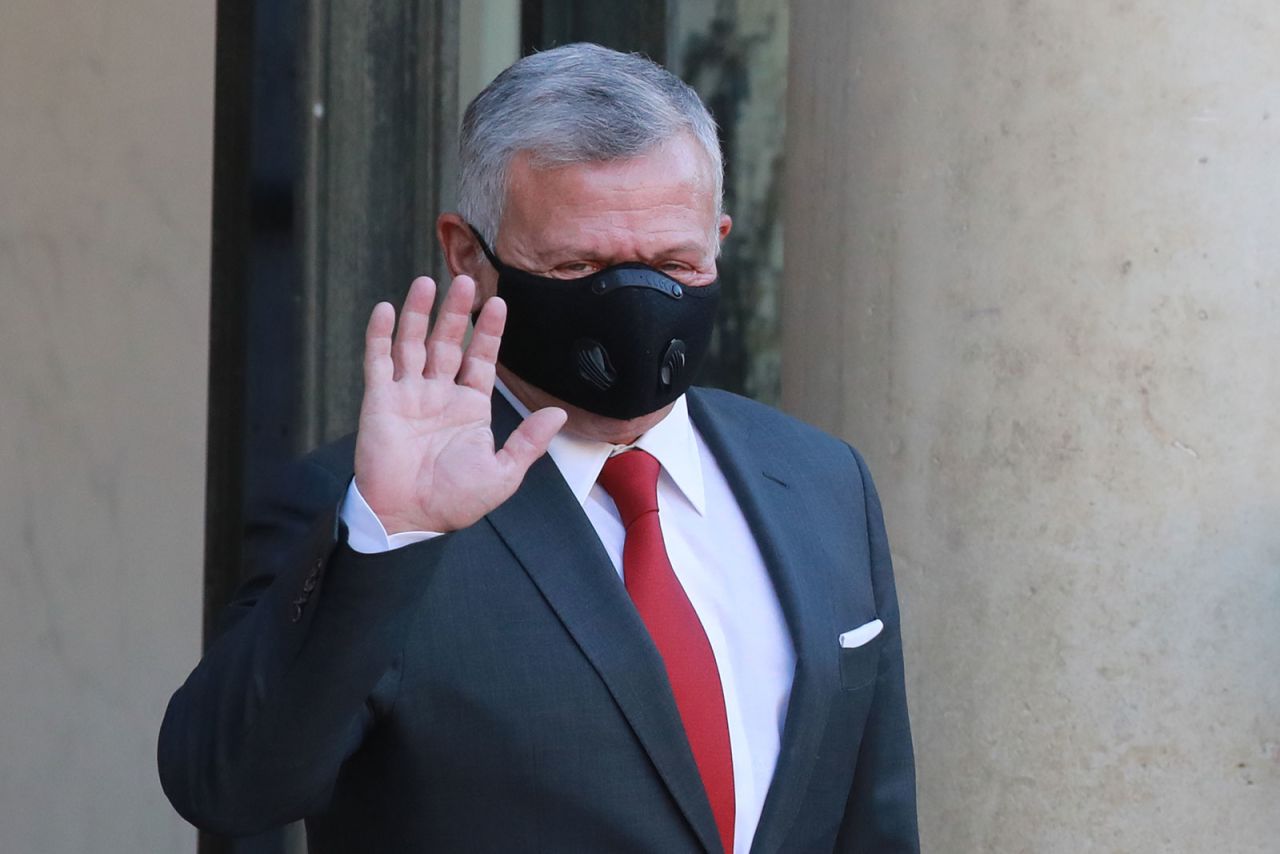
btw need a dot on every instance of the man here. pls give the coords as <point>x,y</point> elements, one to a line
<point>459,649</point>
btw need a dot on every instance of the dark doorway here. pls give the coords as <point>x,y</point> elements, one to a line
<point>333,153</point>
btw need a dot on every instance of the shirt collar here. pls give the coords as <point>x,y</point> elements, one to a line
<point>672,441</point>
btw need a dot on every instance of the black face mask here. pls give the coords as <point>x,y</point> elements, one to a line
<point>622,342</point>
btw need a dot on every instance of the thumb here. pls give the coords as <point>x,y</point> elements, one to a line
<point>528,442</point>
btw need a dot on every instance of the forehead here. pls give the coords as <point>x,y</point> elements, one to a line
<point>671,188</point>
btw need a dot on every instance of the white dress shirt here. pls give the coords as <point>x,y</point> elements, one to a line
<point>715,556</point>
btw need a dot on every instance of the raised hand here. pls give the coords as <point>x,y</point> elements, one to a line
<point>425,458</point>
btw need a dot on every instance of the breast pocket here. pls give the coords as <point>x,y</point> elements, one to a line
<point>859,665</point>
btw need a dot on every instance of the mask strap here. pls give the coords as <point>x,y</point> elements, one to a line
<point>488,253</point>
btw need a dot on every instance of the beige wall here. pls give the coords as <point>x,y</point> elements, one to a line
<point>105,142</point>
<point>1033,270</point>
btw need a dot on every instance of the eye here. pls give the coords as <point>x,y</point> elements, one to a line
<point>675,268</point>
<point>681,272</point>
<point>574,269</point>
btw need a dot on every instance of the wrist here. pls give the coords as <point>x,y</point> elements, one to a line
<point>390,524</point>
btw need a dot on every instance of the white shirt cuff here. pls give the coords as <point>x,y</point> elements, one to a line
<point>365,533</point>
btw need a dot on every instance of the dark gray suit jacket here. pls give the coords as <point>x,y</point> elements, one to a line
<point>494,690</point>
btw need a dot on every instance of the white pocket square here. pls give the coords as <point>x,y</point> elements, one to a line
<point>861,635</point>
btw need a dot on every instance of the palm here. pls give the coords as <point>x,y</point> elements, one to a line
<point>425,456</point>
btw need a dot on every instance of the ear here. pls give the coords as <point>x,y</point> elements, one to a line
<point>464,256</point>
<point>724,227</point>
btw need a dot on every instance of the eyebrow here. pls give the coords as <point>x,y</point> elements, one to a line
<point>690,247</point>
<point>683,247</point>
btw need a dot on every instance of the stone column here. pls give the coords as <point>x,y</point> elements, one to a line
<point>106,137</point>
<point>1033,272</point>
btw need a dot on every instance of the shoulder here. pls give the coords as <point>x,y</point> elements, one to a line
<point>827,472</point>
<point>733,412</point>
<point>739,426</point>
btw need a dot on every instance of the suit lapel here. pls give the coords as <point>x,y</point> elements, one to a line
<point>782,532</point>
<point>546,529</point>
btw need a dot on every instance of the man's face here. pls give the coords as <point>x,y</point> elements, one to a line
<point>658,209</point>
<point>569,221</point>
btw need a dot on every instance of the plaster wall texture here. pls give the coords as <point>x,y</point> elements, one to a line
<point>1033,273</point>
<point>105,146</point>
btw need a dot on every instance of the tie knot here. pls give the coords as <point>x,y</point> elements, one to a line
<point>631,479</point>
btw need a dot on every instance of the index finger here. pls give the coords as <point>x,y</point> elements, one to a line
<point>378,367</point>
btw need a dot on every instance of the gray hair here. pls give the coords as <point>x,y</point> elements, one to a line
<point>580,103</point>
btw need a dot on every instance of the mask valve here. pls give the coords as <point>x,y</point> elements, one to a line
<point>673,363</point>
<point>593,364</point>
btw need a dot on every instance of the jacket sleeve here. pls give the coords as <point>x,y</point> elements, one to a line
<point>880,815</point>
<point>256,735</point>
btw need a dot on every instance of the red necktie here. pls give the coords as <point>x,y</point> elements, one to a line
<point>631,479</point>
